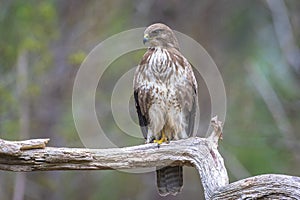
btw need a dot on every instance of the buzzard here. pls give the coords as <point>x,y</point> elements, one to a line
<point>165,93</point>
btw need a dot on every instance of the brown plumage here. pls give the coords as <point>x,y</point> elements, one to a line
<point>165,92</point>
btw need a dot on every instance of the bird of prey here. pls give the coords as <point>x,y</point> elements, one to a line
<point>165,93</point>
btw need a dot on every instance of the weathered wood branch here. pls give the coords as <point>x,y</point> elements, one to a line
<point>268,186</point>
<point>201,153</point>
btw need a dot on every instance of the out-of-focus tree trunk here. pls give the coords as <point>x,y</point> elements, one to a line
<point>22,89</point>
<point>284,32</point>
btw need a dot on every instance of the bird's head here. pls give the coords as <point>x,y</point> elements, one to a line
<point>160,35</point>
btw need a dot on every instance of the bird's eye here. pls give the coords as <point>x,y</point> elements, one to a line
<point>155,32</point>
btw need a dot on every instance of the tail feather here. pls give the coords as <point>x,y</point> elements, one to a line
<point>169,180</point>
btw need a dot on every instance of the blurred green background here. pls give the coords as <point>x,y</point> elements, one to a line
<point>255,45</point>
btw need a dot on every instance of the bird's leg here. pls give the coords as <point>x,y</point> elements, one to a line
<point>162,139</point>
<point>149,139</point>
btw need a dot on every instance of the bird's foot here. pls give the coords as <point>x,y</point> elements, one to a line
<point>161,140</point>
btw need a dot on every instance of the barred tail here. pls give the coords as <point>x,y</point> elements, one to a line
<point>169,180</point>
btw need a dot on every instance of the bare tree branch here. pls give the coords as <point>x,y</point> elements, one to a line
<point>269,186</point>
<point>201,153</point>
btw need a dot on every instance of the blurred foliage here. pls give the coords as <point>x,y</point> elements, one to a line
<point>24,26</point>
<point>77,58</point>
<point>239,35</point>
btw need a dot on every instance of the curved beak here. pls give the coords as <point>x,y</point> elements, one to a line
<point>146,38</point>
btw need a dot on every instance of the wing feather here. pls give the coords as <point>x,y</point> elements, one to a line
<point>187,96</point>
<point>141,94</point>
<point>142,117</point>
<point>191,115</point>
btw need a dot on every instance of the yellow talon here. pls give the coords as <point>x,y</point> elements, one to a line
<point>162,139</point>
